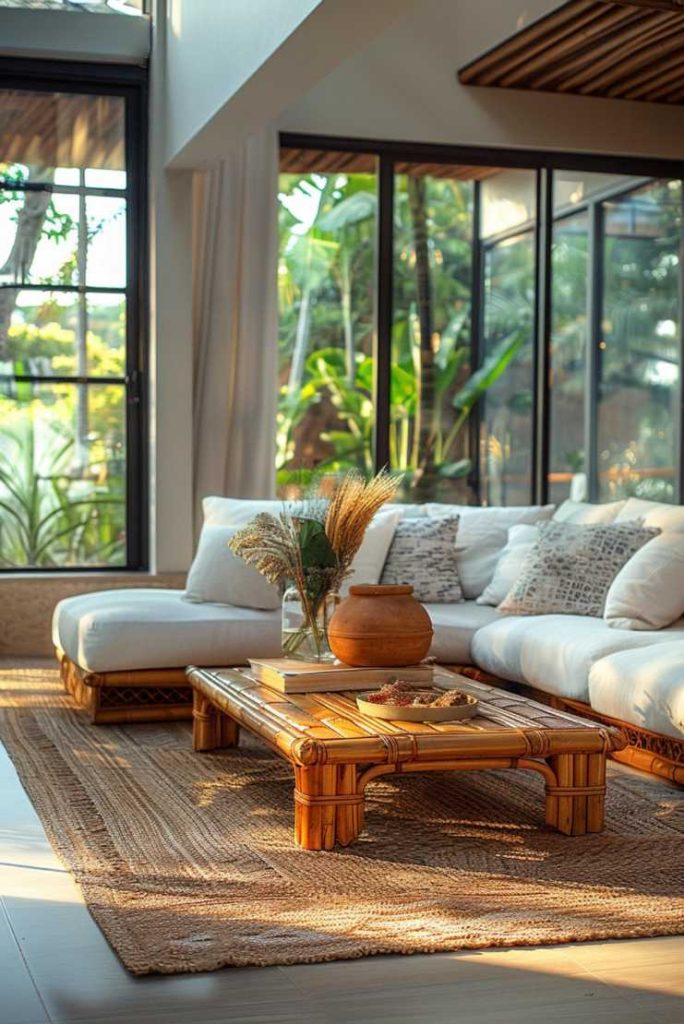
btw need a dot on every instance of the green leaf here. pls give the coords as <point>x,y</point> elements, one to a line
<point>490,371</point>
<point>455,470</point>
<point>314,545</point>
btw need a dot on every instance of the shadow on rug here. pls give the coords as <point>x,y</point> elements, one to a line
<point>187,861</point>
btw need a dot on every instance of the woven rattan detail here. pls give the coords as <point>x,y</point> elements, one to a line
<point>143,696</point>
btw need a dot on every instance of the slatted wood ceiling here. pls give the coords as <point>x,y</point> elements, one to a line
<point>621,49</point>
<point>321,161</point>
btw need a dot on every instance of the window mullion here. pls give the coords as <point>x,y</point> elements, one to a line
<point>382,360</point>
<point>595,249</point>
<point>542,336</point>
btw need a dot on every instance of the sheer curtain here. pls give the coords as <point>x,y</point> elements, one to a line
<point>235,323</point>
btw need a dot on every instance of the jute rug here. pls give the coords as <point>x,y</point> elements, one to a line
<point>187,862</point>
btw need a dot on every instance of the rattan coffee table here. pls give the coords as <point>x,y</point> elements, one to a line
<point>335,751</point>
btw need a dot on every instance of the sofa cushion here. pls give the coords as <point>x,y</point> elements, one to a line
<point>219,576</point>
<point>644,688</point>
<point>653,513</point>
<point>556,652</point>
<point>482,535</point>
<point>585,512</point>
<point>648,592</point>
<point>521,541</point>
<point>118,630</point>
<point>423,554</point>
<point>570,569</point>
<point>455,626</point>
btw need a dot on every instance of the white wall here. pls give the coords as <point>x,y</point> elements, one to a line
<point>213,47</point>
<point>403,86</point>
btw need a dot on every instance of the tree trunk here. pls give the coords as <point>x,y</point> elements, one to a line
<point>301,345</point>
<point>16,269</point>
<point>424,437</point>
<point>346,290</point>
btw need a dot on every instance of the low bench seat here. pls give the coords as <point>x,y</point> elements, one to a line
<point>124,652</point>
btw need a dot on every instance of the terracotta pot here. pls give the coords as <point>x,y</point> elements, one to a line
<point>380,626</point>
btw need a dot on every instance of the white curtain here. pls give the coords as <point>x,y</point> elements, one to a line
<point>235,323</point>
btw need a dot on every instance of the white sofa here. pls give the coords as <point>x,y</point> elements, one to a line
<point>133,642</point>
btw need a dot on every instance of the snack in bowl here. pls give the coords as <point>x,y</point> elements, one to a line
<point>399,699</point>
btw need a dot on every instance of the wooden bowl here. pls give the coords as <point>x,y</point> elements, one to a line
<point>422,713</point>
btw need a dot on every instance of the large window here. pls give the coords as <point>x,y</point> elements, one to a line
<point>498,334</point>
<point>70,474</point>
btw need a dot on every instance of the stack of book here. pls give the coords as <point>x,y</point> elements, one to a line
<point>288,675</point>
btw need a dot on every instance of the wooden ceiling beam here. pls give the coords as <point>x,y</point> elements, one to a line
<point>494,57</point>
<point>607,55</point>
<point>555,50</point>
<point>633,85</point>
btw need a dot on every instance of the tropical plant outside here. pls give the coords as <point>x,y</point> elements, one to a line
<point>62,445</point>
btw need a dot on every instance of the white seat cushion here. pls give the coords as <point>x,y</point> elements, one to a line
<point>455,626</point>
<point>555,652</point>
<point>482,536</point>
<point>644,688</point>
<point>118,630</point>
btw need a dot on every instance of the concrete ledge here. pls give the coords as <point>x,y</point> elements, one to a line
<point>74,35</point>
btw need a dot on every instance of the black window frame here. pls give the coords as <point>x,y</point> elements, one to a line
<point>544,163</point>
<point>130,83</point>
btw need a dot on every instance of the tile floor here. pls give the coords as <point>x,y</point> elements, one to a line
<point>56,966</point>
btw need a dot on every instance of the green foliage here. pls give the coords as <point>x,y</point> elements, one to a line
<point>48,519</point>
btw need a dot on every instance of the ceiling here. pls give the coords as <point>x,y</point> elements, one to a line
<point>617,49</point>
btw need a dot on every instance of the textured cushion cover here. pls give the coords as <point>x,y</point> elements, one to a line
<point>648,592</point>
<point>521,541</point>
<point>423,553</point>
<point>571,568</point>
<point>454,627</point>
<point>482,535</point>
<point>554,652</point>
<point>218,575</point>
<point>584,512</point>
<point>119,630</point>
<point>644,687</point>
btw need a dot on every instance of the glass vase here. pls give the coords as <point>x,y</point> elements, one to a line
<point>305,625</point>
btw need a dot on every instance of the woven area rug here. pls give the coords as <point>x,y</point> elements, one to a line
<point>187,862</point>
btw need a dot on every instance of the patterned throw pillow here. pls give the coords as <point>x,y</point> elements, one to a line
<point>423,553</point>
<point>570,569</point>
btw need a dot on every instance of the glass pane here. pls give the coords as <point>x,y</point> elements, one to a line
<point>508,368</point>
<point>572,188</point>
<point>431,343</point>
<point>639,351</point>
<point>508,201</point>
<point>568,358</point>
<point>327,224</point>
<point>45,131</point>
<point>64,334</point>
<point>106,267</point>
<point>38,238</point>
<point>62,476</point>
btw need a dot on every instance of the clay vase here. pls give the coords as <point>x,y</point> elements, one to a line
<point>378,627</point>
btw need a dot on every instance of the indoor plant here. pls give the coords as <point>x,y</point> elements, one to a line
<point>309,551</point>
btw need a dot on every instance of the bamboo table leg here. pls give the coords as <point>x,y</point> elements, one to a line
<point>211,728</point>
<point>328,806</point>
<point>575,804</point>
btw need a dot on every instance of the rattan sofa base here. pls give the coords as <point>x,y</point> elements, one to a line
<point>651,752</point>
<point>148,695</point>
<point>163,695</point>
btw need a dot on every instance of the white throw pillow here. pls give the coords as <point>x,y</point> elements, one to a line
<point>370,558</point>
<point>236,513</point>
<point>648,592</point>
<point>521,540</point>
<point>668,518</point>
<point>482,536</point>
<point>218,576</point>
<point>584,512</point>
